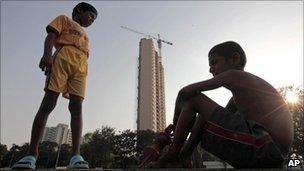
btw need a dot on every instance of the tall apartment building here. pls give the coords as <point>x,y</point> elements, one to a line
<point>61,134</point>
<point>151,89</point>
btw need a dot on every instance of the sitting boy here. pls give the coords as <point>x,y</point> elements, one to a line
<point>255,128</point>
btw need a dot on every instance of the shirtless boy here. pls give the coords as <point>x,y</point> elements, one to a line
<point>255,128</point>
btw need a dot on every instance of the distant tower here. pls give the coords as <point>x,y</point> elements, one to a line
<point>151,89</point>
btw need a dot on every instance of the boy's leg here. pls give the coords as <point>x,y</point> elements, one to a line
<point>201,104</point>
<point>75,108</point>
<point>178,108</point>
<point>47,105</point>
<point>184,124</point>
<point>185,120</point>
<point>182,106</point>
<point>193,140</point>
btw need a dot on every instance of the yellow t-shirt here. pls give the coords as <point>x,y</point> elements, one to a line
<point>69,32</point>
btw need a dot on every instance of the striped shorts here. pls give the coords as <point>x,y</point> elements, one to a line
<point>239,142</point>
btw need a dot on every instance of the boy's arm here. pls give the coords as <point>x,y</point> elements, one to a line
<point>219,80</point>
<point>46,60</point>
<point>227,79</point>
<point>195,89</point>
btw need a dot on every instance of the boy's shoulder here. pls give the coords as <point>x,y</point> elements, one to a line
<point>63,17</point>
<point>240,77</point>
<point>234,73</point>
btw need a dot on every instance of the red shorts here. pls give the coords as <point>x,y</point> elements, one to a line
<point>241,143</point>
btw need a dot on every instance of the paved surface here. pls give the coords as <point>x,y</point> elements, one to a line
<point>201,169</point>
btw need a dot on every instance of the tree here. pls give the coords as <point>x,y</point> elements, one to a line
<point>98,147</point>
<point>65,155</point>
<point>3,152</point>
<point>103,148</point>
<point>144,138</point>
<point>10,158</point>
<point>125,149</point>
<point>47,154</point>
<point>15,153</point>
<point>297,110</point>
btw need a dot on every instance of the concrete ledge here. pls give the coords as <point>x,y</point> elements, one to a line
<point>198,169</point>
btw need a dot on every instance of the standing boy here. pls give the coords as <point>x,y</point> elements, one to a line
<point>66,72</point>
<point>255,128</point>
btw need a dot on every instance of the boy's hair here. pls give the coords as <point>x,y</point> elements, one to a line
<point>83,6</point>
<point>227,49</point>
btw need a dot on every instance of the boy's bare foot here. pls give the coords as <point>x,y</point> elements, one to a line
<point>170,159</point>
<point>186,162</point>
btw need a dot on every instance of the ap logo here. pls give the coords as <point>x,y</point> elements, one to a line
<point>294,163</point>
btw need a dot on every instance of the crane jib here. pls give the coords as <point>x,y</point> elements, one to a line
<point>150,36</point>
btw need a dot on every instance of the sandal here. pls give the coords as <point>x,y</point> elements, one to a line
<point>27,162</point>
<point>77,162</point>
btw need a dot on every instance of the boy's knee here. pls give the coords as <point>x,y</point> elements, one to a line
<point>75,105</point>
<point>49,102</point>
<point>189,103</point>
<point>198,99</point>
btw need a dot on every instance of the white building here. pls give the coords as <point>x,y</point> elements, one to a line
<point>61,134</point>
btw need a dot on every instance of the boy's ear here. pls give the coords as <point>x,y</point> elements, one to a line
<point>236,59</point>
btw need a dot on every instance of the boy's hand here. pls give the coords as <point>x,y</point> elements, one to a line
<point>46,60</point>
<point>170,128</point>
<point>46,64</point>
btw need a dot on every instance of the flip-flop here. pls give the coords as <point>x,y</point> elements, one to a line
<point>27,162</point>
<point>77,162</point>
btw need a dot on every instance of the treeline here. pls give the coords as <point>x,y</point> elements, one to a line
<point>102,148</point>
<point>107,149</point>
<point>297,111</point>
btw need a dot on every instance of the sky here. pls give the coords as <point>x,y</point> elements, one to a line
<point>271,34</point>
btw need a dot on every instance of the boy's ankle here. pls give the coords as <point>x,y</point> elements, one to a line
<point>32,154</point>
<point>186,162</point>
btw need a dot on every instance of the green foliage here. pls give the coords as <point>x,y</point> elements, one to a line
<point>14,154</point>
<point>125,150</point>
<point>297,110</point>
<point>144,138</point>
<point>103,148</point>
<point>65,155</point>
<point>47,155</point>
<point>3,152</point>
<point>6,156</point>
<point>98,147</point>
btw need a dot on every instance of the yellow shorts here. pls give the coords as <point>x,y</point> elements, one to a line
<point>69,72</point>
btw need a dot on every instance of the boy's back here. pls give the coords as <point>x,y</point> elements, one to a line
<point>260,102</point>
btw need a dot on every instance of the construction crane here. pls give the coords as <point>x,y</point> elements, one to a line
<point>159,41</point>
